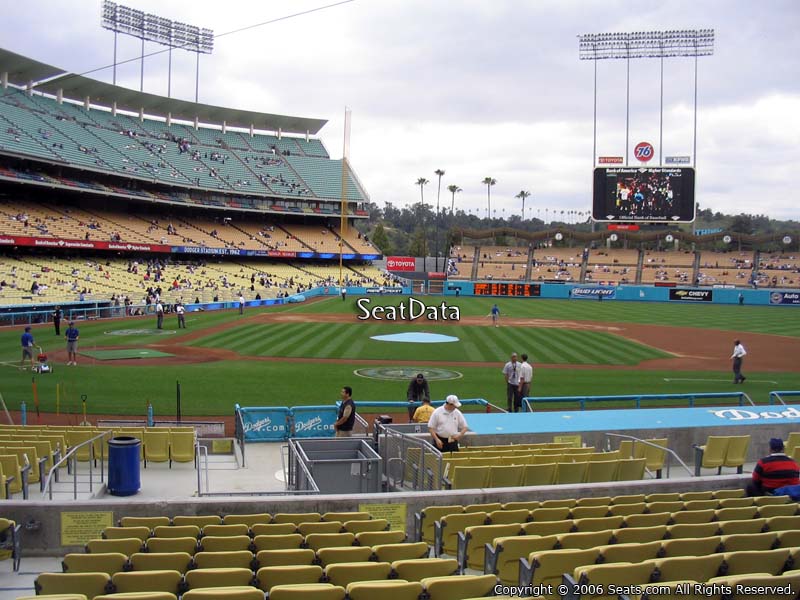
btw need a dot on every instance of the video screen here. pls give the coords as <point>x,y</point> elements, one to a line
<point>654,194</point>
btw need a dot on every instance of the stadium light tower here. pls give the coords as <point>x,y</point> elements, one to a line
<point>645,44</point>
<point>150,28</point>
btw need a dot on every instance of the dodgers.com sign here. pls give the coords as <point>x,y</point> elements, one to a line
<point>401,263</point>
<point>313,421</point>
<point>265,424</point>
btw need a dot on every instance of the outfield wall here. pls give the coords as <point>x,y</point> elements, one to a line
<point>643,293</point>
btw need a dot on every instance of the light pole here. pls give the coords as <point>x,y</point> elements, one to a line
<point>645,44</point>
<point>439,173</point>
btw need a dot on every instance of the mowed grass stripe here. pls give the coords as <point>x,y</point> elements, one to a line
<point>246,338</point>
<point>341,343</point>
<point>309,345</point>
<point>267,339</point>
<point>292,336</point>
<point>574,349</point>
<point>601,349</point>
<point>479,337</point>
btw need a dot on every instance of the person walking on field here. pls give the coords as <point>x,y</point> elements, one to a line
<point>495,314</point>
<point>72,336</point>
<point>159,315</point>
<point>241,304</point>
<point>181,311</point>
<point>57,315</point>
<point>738,354</point>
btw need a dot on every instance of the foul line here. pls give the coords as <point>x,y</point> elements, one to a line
<point>719,380</point>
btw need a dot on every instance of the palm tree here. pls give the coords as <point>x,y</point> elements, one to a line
<point>453,189</point>
<point>422,182</point>
<point>489,182</point>
<point>440,173</point>
<point>523,195</point>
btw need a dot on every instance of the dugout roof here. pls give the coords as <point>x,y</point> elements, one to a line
<point>22,71</point>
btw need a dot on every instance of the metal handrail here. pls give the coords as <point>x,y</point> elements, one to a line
<point>47,491</point>
<point>362,423</point>
<point>405,441</point>
<point>669,451</point>
<point>309,477</point>
<point>199,450</point>
<point>239,433</point>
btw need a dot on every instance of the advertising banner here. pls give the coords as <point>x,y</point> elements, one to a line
<point>691,295</point>
<point>784,298</point>
<point>384,291</point>
<point>11,240</point>
<point>265,424</point>
<point>609,160</point>
<point>593,292</point>
<point>677,160</point>
<point>401,263</point>
<point>313,421</point>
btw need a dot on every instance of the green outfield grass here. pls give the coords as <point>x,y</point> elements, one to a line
<point>476,344</point>
<point>214,388</point>
<point>778,320</point>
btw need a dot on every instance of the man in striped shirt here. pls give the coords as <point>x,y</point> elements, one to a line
<point>773,471</point>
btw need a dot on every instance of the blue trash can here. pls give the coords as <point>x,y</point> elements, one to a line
<point>123,466</point>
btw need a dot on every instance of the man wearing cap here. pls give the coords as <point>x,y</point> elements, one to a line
<point>72,336</point>
<point>418,391</point>
<point>27,347</point>
<point>447,425</point>
<point>773,471</point>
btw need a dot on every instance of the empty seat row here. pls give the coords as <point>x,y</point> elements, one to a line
<point>93,584</point>
<point>559,520</point>
<point>431,588</point>
<point>501,555</point>
<point>143,531</point>
<point>246,519</point>
<point>229,543</point>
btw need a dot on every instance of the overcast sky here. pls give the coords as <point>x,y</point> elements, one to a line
<point>478,88</point>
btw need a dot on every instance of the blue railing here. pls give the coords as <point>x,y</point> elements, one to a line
<point>637,399</point>
<point>776,397</point>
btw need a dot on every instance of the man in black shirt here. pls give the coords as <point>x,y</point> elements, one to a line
<point>57,315</point>
<point>346,417</point>
<point>418,391</point>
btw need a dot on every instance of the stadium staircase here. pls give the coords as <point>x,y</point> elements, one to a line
<point>695,268</point>
<point>584,267</point>
<point>475,262</point>
<point>529,266</point>
<point>639,267</point>
<point>756,266</point>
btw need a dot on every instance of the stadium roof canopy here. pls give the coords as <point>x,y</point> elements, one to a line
<point>24,72</point>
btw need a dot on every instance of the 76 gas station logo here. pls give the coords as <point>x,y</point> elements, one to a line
<point>643,151</point>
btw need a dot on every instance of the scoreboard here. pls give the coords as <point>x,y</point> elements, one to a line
<point>644,194</point>
<point>508,289</point>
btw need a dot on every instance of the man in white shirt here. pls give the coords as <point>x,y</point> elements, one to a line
<point>159,315</point>
<point>181,315</point>
<point>447,425</point>
<point>241,304</point>
<point>525,378</point>
<point>511,377</point>
<point>738,354</point>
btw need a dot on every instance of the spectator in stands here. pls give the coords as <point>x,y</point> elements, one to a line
<point>418,391</point>
<point>447,425</point>
<point>423,412</point>
<point>773,471</point>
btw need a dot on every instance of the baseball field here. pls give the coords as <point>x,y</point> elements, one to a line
<point>301,354</point>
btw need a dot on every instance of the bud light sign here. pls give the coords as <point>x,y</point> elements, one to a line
<point>313,421</point>
<point>643,151</point>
